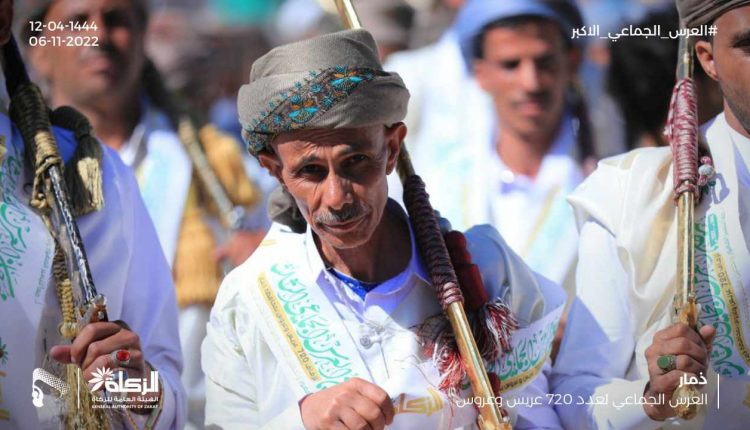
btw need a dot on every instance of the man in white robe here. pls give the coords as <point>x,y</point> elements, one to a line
<point>494,128</point>
<point>621,354</point>
<point>319,328</point>
<point>109,84</point>
<point>128,268</point>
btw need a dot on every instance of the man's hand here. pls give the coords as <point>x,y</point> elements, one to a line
<point>93,347</point>
<point>354,404</point>
<point>692,351</point>
<point>239,247</point>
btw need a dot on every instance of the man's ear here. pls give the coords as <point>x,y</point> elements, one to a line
<point>394,135</point>
<point>705,52</point>
<point>271,162</point>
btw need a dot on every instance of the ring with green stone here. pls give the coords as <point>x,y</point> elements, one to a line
<point>667,363</point>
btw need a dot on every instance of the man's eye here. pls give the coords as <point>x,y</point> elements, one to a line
<point>118,18</point>
<point>509,65</point>
<point>310,169</point>
<point>80,18</point>
<point>354,159</point>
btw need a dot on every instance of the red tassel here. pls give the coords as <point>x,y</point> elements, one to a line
<point>475,295</point>
<point>439,343</point>
<point>492,322</point>
<point>469,277</point>
<point>455,241</point>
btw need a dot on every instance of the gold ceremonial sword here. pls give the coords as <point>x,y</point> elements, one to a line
<point>30,113</point>
<point>447,288</point>
<point>684,140</point>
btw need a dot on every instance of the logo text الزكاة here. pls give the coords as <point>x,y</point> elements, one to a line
<point>106,378</point>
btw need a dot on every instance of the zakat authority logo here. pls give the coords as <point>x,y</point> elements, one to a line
<point>101,377</point>
<point>104,379</point>
<point>118,382</point>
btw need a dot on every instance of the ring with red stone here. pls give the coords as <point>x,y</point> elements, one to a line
<point>121,357</point>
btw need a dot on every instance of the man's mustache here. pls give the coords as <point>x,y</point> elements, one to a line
<point>341,216</point>
<point>102,49</point>
<point>542,98</point>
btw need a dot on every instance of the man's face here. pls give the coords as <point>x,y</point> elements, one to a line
<point>731,55</point>
<point>526,70</point>
<point>84,73</point>
<point>338,178</point>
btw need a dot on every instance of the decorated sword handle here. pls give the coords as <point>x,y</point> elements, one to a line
<point>50,196</point>
<point>682,128</point>
<point>89,306</point>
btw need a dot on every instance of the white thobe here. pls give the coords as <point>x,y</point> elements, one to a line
<point>530,213</point>
<point>625,284</point>
<point>128,267</point>
<point>248,386</point>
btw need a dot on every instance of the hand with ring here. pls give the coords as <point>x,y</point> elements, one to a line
<point>675,351</point>
<point>121,357</point>
<point>105,345</point>
<point>667,363</point>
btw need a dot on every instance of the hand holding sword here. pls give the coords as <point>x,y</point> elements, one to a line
<point>683,347</point>
<point>96,343</point>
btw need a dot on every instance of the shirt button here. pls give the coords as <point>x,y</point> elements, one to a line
<point>508,177</point>
<point>365,341</point>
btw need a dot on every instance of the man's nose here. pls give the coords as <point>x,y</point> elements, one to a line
<point>530,78</point>
<point>337,192</point>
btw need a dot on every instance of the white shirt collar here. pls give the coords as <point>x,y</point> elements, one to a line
<point>559,162</point>
<point>385,296</point>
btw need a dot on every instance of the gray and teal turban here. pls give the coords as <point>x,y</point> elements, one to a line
<point>694,13</point>
<point>331,81</point>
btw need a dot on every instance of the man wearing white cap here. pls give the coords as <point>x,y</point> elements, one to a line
<point>506,145</point>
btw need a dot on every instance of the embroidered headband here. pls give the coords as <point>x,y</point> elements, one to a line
<point>331,81</point>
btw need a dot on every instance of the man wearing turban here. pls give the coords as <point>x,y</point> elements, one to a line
<point>320,328</point>
<point>620,344</point>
